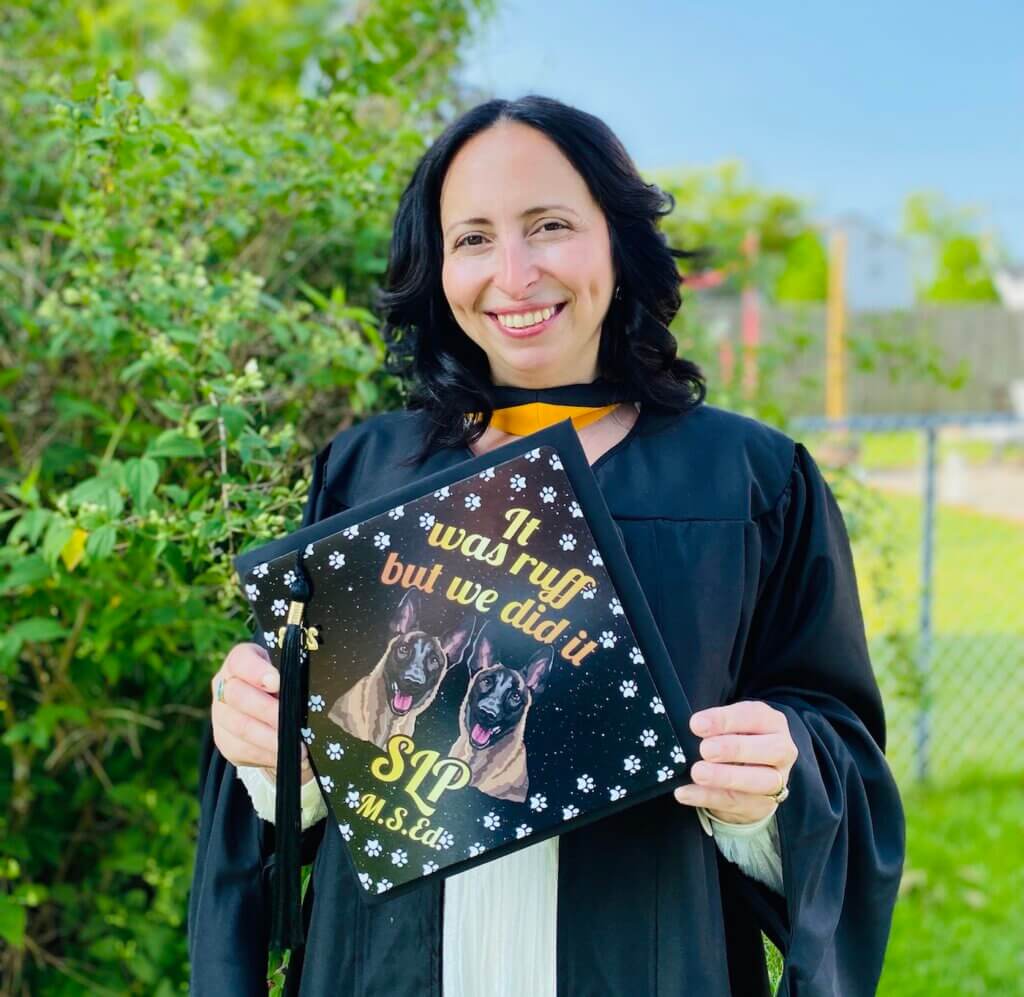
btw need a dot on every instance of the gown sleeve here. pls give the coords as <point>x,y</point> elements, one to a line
<point>229,901</point>
<point>842,829</point>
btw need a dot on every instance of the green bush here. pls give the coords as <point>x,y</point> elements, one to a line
<point>184,320</point>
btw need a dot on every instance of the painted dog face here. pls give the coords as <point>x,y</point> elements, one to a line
<point>416,660</point>
<point>499,695</point>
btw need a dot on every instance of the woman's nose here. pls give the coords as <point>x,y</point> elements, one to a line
<point>516,269</point>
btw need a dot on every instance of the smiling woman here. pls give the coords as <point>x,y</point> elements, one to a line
<point>528,283</point>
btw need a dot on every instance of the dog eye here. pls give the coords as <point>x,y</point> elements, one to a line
<point>514,698</point>
<point>402,650</point>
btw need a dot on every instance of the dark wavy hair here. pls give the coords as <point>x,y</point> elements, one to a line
<point>442,369</point>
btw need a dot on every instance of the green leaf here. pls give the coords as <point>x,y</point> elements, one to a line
<point>38,628</point>
<point>174,443</point>
<point>101,542</point>
<point>141,475</point>
<point>12,922</point>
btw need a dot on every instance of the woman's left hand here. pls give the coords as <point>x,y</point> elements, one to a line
<point>749,753</point>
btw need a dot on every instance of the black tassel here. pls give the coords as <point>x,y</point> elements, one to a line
<point>286,879</point>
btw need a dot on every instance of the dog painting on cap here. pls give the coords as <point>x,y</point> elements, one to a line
<point>492,718</point>
<point>405,680</point>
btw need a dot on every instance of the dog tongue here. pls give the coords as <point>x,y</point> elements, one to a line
<point>402,700</point>
<point>481,735</point>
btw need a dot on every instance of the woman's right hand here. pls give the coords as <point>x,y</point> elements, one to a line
<point>245,723</point>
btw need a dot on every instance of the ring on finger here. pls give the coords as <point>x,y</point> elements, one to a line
<point>782,792</point>
<point>219,693</point>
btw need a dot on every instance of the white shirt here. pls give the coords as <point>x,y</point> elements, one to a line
<point>523,888</point>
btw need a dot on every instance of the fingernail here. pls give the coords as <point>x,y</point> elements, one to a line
<point>270,680</point>
<point>710,749</point>
<point>700,724</point>
<point>263,652</point>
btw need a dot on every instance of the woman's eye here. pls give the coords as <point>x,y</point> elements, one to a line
<point>464,241</point>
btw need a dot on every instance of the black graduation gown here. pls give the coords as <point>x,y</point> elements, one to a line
<point>742,553</point>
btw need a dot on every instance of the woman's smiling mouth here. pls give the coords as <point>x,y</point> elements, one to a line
<point>538,321</point>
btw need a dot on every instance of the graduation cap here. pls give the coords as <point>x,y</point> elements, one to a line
<point>473,665</point>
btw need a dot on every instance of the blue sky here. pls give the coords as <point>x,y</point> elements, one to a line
<point>851,106</point>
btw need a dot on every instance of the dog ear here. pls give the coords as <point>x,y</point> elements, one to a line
<point>403,619</point>
<point>456,641</point>
<point>482,655</point>
<point>538,669</point>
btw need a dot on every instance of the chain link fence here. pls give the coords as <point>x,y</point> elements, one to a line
<point>939,547</point>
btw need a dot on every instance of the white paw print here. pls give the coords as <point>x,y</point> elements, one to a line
<point>555,461</point>
<point>279,607</point>
<point>383,885</point>
<point>491,821</point>
<point>381,540</point>
<point>657,706</point>
<point>346,831</point>
<point>308,551</point>
<point>533,454</point>
<point>427,520</point>
<point>327,783</point>
<point>486,474</point>
<point>595,557</point>
<point>442,493</point>
<point>289,577</point>
<point>574,508</point>
<point>365,881</point>
<point>567,541</point>
<point>307,734</point>
<point>334,751</point>
<point>636,656</point>
<point>607,638</point>
<point>372,847</point>
<point>336,559</point>
<point>316,704</point>
<point>429,867</point>
<point>678,756</point>
<point>251,592</point>
<point>548,494</point>
<point>665,773</point>
<point>476,849</point>
<point>585,783</point>
<point>616,793</point>
<point>270,638</point>
<point>589,592</point>
<point>352,798</point>
<point>397,513</point>
<point>517,482</point>
<point>627,688</point>
<point>261,570</point>
<point>523,830</point>
<point>648,738</point>
<point>399,857</point>
<point>569,812</point>
<point>631,764</point>
<point>446,840</point>
<point>472,501</point>
<point>350,531</point>
<point>616,607</point>
<point>538,802</point>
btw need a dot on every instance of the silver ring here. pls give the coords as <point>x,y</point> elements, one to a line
<point>220,689</point>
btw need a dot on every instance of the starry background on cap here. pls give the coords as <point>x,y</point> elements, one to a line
<point>595,735</point>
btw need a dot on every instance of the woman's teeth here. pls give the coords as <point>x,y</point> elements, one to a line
<point>526,319</point>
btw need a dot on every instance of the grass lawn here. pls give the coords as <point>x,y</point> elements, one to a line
<point>959,922</point>
<point>906,449</point>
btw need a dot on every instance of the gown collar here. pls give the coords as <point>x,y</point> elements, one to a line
<point>521,411</point>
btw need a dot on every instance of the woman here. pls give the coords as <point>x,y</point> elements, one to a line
<point>534,207</point>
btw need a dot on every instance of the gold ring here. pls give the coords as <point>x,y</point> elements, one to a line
<point>782,792</point>
<point>220,689</point>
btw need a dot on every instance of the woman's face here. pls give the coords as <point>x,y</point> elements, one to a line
<point>504,257</point>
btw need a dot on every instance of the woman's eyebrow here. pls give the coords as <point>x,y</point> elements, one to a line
<point>529,211</point>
